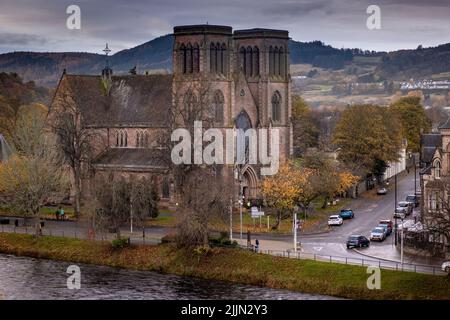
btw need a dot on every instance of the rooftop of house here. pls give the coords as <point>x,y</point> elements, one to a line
<point>429,142</point>
<point>445,125</point>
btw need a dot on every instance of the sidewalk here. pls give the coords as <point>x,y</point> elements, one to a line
<point>268,244</point>
<point>391,253</point>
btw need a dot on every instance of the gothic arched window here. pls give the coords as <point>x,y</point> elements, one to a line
<point>218,58</point>
<point>190,102</point>
<point>276,107</point>
<point>271,60</point>
<point>282,62</point>
<point>218,102</point>
<point>138,139</point>
<point>183,58</point>
<point>243,122</point>
<point>146,139</point>
<point>276,61</point>
<point>189,60</point>
<point>248,62</point>
<point>142,139</point>
<point>165,188</point>
<point>437,169</point>
<point>213,58</point>
<point>121,138</point>
<point>223,59</point>
<point>242,58</point>
<point>255,62</point>
<point>196,58</point>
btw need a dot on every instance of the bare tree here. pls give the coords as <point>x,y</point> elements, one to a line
<point>205,196</point>
<point>201,190</point>
<point>144,199</point>
<point>437,221</point>
<point>118,200</point>
<point>113,203</point>
<point>74,138</point>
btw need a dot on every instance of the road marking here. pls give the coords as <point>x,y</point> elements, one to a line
<point>317,248</point>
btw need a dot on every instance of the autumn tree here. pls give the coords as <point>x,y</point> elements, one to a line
<point>306,126</point>
<point>366,134</point>
<point>284,190</point>
<point>328,177</point>
<point>413,119</point>
<point>33,174</point>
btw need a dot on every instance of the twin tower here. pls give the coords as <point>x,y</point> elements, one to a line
<point>246,71</point>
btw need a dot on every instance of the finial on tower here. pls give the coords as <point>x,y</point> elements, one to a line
<point>107,50</point>
<point>107,71</point>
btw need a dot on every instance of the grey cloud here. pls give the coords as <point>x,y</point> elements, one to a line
<point>126,23</point>
<point>296,8</point>
<point>13,39</point>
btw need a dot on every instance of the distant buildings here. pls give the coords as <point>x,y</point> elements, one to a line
<point>426,85</point>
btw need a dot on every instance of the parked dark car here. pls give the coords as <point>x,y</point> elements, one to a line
<point>357,241</point>
<point>412,198</point>
<point>347,214</point>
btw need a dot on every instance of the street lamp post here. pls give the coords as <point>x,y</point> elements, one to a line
<point>231,219</point>
<point>401,246</point>
<point>241,200</point>
<point>395,206</point>
<point>415,175</point>
<point>295,232</point>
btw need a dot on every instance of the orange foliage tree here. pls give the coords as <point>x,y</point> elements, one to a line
<point>283,191</point>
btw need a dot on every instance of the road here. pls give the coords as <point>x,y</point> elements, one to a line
<point>369,209</point>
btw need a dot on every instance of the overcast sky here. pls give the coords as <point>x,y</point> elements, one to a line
<point>40,25</point>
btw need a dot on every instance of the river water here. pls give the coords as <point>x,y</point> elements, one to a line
<point>27,278</point>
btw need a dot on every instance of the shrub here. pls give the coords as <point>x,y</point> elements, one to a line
<point>120,243</point>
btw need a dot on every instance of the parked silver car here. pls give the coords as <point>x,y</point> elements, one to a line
<point>378,233</point>
<point>446,267</point>
<point>407,205</point>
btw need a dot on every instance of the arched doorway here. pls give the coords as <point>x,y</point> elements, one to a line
<point>249,183</point>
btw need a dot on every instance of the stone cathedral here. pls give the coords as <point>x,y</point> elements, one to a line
<point>248,79</point>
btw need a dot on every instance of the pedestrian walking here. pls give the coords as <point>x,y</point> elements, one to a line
<point>62,213</point>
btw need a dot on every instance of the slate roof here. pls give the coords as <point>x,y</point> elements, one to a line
<point>429,143</point>
<point>445,125</point>
<point>133,100</point>
<point>132,158</point>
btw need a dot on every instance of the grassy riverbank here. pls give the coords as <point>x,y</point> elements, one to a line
<point>235,265</point>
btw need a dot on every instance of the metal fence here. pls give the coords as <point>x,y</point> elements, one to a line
<point>79,233</point>
<point>85,234</point>
<point>382,264</point>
